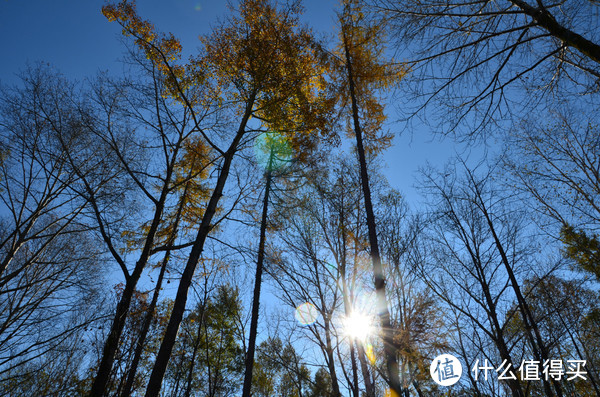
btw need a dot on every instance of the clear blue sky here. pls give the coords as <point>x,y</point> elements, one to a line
<point>74,37</point>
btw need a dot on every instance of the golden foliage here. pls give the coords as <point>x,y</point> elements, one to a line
<point>163,50</point>
<point>262,51</point>
<point>364,40</point>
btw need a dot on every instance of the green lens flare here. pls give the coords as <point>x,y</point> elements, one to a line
<point>272,148</point>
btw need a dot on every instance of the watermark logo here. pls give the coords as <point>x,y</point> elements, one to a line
<point>445,370</point>
<point>532,370</point>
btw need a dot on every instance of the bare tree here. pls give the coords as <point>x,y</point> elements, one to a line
<point>479,259</point>
<point>48,258</point>
<point>473,57</point>
<point>149,136</point>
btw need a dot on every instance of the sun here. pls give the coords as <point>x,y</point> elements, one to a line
<point>358,326</point>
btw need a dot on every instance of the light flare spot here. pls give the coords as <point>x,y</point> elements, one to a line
<point>272,150</point>
<point>306,313</point>
<point>370,352</point>
<point>391,393</point>
<point>358,326</point>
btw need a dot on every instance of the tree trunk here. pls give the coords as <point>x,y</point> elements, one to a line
<point>364,366</point>
<point>537,344</point>
<point>112,342</point>
<point>166,347</point>
<point>257,284</point>
<point>190,377</point>
<point>150,314</point>
<point>545,20</point>
<point>389,350</point>
<point>139,348</point>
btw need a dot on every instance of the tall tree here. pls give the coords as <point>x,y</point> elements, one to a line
<point>264,66</point>
<point>273,148</point>
<point>281,370</point>
<point>564,311</point>
<point>49,257</point>
<point>556,164</point>
<point>164,127</point>
<point>208,357</point>
<point>483,233</point>
<point>360,72</point>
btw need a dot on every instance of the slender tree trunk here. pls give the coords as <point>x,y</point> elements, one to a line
<point>496,329</point>
<point>112,342</point>
<point>331,359</point>
<point>257,284</point>
<point>354,385</point>
<point>533,332</point>
<point>545,20</point>
<point>364,366</point>
<point>389,349</point>
<point>150,313</point>
<point>190,377</point>
<point>346,293</point>
<point>139,349</point>
<point>166,347</point>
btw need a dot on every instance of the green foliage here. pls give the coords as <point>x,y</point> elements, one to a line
<point>279,370</point>
<point>321,386</point>
<point>209,345</point>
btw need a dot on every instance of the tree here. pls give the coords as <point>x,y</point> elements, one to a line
<point>319,255</point>
<point>299,267</point>
<point>556,164</point>
<point>127,355</point>
<point>49,260</point>
<point>280,370</point>
<point>360,74</point>
<point>564,310</point>
<point>196,191</point>
<point>261,64</point>
<point>470,57</point>
<point>322,384</point>
<point>476,247</point>
<point>208,357</point>
<point>163,128</point>
<point>419,328</point>
<point>275,148</point>
<point>582,249</point>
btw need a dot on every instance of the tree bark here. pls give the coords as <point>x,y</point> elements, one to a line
<point>547,21</point>
<point>166,347</point>
<point>150,314</point>
<point>112,342</point>
<point>257,284</point>
<point>389,350</point>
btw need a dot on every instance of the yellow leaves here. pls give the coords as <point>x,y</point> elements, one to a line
<point>361,52</point>
<point>262,50</point>
<point>191,172</point>
<point>164,50</point>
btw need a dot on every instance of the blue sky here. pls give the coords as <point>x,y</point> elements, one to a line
<point>74,37</point>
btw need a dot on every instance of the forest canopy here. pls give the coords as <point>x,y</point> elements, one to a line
<point>220,221</point>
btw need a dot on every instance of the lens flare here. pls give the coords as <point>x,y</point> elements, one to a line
<point>370,353</point>
<point>358,326</point>
<point>272,149</point>
<point>306,313</point>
